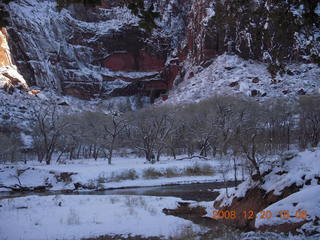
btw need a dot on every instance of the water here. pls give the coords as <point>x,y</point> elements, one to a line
<point>195,191</point>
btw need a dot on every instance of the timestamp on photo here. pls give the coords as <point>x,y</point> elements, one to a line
<point>250,214</point>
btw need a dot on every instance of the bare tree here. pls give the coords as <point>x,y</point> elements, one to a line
<point>113,126</point>
<point>48,126</point>
<point>309,110</point>
<point>149,131</point>
<point>10,146</point>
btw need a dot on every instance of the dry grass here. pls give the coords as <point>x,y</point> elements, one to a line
<point>152,173</point>
<point>171,172</point>
<point>134,202</point>
<point>129,174</point>
<point>186,232</point>
<point>73,217</point>
<point>197,169</point>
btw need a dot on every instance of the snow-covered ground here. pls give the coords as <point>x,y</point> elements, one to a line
<point>303,172</point>
<point>305,202</point>
<point>232,75</point>
<point>299,170</point>
<point>75,217</point>
<point>124,172</point>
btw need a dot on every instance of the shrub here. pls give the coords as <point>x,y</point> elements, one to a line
<point>197,169</point>
<point>102,179</point>
<point>130,174</point>
<point>171,172</point>
<point>151,173</point>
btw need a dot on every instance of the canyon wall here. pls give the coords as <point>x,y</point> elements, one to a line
<point>102,53</point>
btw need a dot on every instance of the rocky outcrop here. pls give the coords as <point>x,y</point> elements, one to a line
<point>283,190</point>
<point>255,200</point>
<point>10,79</point>
<point>266,30</point>
<point>5,58</point>
<point>102,52</point>
<point>85,53</point>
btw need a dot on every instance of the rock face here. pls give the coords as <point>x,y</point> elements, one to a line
<point>5,59</point>
<point>101,52</point>
<point>9,76</point>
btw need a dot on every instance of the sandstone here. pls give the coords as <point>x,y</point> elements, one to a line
<point>80,51</point>
<point>5,58</point>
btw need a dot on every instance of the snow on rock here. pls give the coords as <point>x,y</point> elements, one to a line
<point>75,217</point>
<point>232,75</point>
<point>10,79</point>
<point>84,52</point>
<point>305,167</point>
<point>302,171</point>
<point>306,201</point>
<point>292,185</point>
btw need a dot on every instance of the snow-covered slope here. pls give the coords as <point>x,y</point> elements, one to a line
<point>292,187</point>
<point>232,75</point>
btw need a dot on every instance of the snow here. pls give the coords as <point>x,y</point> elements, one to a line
<point>303,167</point>
<point>11,71</point>
<point>302,171</point>
<point>210,11</point>
<point>227,69</point>
<point>239,192</point>
<point>298,11</point>
<point>111,86</point>
<point>307,200</point>
<point>100,175</point>
<point>74,217</point>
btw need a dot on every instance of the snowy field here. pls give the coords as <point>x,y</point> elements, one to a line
<point>124,172</point>
<point>75,217</point>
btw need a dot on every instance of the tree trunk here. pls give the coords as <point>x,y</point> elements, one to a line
<point>48,159</point>
<point>60,155</point>
<point>235,171</point>
<point>111,150</point>
<point>158,155</point>
<point>173,152</point>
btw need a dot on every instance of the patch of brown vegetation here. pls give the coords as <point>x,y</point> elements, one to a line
<point>64,177</point>
<point>283,228</point>
<point>184,210</point>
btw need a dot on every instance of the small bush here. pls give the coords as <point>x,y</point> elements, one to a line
<point>130,174</point>
<point>64,177</point>
<point>101,179</point>
<point>151,173</point>
<point>171,172</point>
<point>197,169</point>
